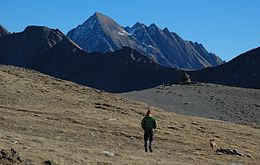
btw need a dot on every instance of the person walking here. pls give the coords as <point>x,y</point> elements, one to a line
<point>149,125</point>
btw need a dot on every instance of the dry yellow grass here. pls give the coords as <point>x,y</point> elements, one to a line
<point>44,118</point>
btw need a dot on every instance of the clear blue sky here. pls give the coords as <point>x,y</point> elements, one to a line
<point>225,27</point>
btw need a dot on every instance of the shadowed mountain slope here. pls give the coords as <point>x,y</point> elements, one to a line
<point>242,71</point>
<point>51,52</point>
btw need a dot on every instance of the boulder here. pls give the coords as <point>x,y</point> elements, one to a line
<point>9,156</point>
<point>229,151</point>
<point>185,79</point>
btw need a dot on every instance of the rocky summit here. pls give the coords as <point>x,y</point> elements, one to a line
<point>101,33</point>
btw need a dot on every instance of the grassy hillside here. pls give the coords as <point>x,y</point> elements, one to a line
<point>43,118</point>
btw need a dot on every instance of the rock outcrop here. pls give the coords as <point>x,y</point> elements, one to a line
<point>3,31</point>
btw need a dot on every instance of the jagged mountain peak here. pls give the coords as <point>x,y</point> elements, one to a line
<point>136,27</point>
<point>153,25</point>
<point>199,44</point>
<point>99,19</point>
<point>97,23</point>
<point>97,14</point>
<point>166,30</point>
<point>102,18</point>
<point>139,25</point>
<point>154,29</point>
<point>101,33</point>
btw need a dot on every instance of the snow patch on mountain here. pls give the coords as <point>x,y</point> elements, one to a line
<point>122,32</point>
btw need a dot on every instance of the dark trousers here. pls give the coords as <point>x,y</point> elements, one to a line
<point>148,134</point>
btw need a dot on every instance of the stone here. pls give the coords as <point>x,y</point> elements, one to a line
<point>49,162</point>
<point>185,79</point>
<point>109,153</point>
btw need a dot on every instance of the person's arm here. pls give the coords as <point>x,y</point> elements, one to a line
<point>154,124</point>
<point>143,123</point>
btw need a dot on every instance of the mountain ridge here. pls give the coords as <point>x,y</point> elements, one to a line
<point>51,52</point>
<point>106,31</point>
<point>162,46</point>
<point>242,71</point>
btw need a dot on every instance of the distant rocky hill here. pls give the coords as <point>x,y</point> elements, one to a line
<point>51,52</point>
<point>101,33</point>
<point>242,71</point>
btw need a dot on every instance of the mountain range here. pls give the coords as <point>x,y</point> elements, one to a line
<point>50,51</point>
<point>100,33</point>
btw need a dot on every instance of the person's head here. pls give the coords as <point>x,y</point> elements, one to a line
<point>149,112</point>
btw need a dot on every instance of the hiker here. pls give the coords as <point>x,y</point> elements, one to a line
<point>148,124</point>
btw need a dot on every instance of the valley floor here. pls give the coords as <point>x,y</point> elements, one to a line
<point>214,101</point>
<point>43,118</point>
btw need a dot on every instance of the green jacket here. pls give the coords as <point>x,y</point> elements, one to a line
<point>148,122</point>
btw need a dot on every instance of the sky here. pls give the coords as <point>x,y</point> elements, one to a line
<point>225,27</point>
